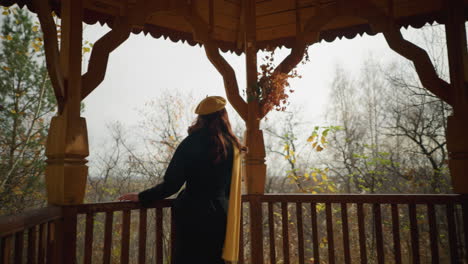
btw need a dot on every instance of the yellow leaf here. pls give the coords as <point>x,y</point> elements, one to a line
<point>5,13</point>
<point>314,176</point>
<point>9,37</point>
<point>306,175</point>
<point>6,68</point>
<point>311,138</point>
<point>286,147</point>
<point>286,157</point>
<point>86,49</point>
<point>35,28</point>
<point>314,145</point>
<point>293,161</point>
<point>324,177</point>
<point>323,140</point>
<point>38,39</point>
<point>319,148</point>
<point>12,111</point>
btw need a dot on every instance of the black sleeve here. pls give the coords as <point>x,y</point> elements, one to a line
<point>174,177</point>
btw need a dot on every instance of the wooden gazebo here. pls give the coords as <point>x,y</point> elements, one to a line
<point>239,26</point>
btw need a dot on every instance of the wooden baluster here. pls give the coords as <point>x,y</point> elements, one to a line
<point>433,233</point>
<point>465,225</point>
<point>108,237</point>
<point>284,221</point>
<point>159,236</point>
<point>315,243</point>
<point>42,244</point>
<point>89,233</point>
<point>362,233</point>
<point>271,228</point>
<point>142,236</point>
<point>396,233</point>
<point>378,233</point>
<point>19,243</point>
<point>57,241</point>
<point>172,236</point>
<point>6,249</point>
<point>452,234</point>
<point>31,258</point>
<point>50,243</point>
<point>331,244</point>
<point>414,233</point>
<point>125,243</point>
<point>69,232</point>
<point>241,238</point>
<point>344,221</point>
<point>300,232</point>
<point>256,229</point>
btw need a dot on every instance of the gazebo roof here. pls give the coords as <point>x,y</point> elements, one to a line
<point>277,21</point>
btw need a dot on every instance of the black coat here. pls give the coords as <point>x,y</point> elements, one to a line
<point>200,210</point>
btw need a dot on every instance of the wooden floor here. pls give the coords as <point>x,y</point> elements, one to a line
<point>276,228</point>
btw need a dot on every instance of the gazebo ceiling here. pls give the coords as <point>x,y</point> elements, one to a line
<point>277,20</point>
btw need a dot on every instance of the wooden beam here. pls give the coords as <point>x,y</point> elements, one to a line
<point>70,53</point>
<point>457,125</point>
<point>457,54</point>
<point>49,29</point>
<point>67,142</point>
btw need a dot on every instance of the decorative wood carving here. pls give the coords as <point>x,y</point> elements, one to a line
<point>425,69</point>
<point>201,33</point>
<point>100,55</point>
<point>49,29</point>
<point>109,42</point>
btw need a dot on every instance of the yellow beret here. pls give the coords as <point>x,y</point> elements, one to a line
<point>210,105</point>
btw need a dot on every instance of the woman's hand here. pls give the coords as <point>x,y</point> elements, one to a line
<point>129,197</point>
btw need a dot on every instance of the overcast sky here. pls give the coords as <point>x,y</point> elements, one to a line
<point>142,67</point>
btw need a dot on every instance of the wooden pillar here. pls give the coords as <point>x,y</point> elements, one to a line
<point>457,140</point>
<point>67,142</point>
<point>255,158</point>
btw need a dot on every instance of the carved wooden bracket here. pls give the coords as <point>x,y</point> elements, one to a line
<point>308,36</point>
<point>201,33</point>
<point>381,22</point>
<point>49,29</point>
<point>100,55</point>
<point>109,42</point>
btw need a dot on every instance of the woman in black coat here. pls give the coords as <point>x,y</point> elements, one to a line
<point>203,161</point>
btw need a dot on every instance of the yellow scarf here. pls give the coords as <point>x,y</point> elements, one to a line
<point>231,242</point>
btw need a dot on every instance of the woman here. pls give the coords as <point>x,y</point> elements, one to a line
<point>204,161</point>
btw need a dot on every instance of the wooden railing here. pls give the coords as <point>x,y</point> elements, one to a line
<point>31,237</point>
<point>277,228</point>
<point>358,228</point>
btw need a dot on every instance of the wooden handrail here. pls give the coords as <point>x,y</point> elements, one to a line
<point>15,223</point>
<point>361,198</point>
<point>116,206</point>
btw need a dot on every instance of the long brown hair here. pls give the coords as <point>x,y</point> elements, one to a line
<point>219,129</point>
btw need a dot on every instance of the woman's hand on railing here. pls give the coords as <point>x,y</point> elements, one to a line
<point>129,197</point>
